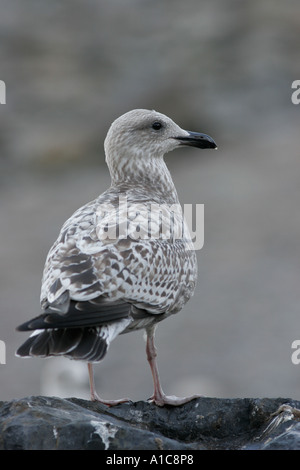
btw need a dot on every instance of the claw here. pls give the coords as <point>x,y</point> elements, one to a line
<point>95,397</point>
<point>172,400</point>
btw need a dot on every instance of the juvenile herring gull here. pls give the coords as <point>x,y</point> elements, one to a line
<point>114,269</point>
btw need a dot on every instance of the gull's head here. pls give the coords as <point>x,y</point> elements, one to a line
<point>147,134</point>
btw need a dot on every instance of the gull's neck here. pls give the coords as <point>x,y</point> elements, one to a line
<point>141,174</point>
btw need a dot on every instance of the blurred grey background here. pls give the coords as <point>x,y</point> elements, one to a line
<point>220,67</point>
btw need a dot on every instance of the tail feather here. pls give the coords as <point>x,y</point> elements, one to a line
<point>80,314</point>
<point>92,347</point>
<point>85,344</point>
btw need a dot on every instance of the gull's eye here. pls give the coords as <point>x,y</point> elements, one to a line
<point>157,125</point>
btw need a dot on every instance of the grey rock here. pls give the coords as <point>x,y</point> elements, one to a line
<point>49,423</point>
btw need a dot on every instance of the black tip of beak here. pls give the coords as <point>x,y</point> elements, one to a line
<point>196,139</point>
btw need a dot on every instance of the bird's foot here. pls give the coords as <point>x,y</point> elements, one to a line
<point>95,397</point>
<point>162,399</point>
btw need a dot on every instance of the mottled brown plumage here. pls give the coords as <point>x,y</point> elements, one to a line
<point>118,264</point>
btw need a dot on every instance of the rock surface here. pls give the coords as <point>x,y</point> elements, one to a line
<point>49,423</point>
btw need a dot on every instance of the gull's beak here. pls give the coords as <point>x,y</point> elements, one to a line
<point>196,139</point>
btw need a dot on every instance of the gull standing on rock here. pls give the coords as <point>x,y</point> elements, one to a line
<point>106,275</point>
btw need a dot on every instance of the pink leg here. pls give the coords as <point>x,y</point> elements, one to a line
<point>95,396</point>
<point>159,397</point>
